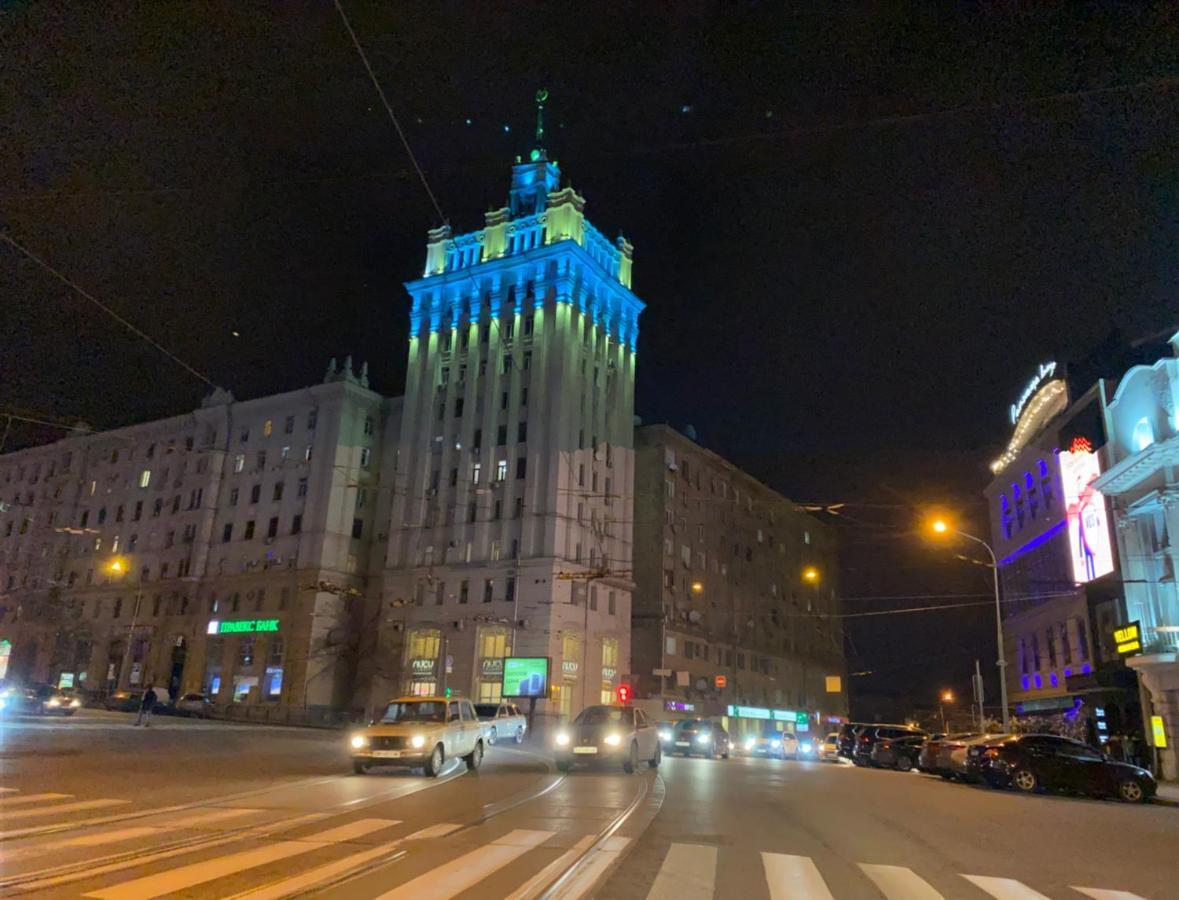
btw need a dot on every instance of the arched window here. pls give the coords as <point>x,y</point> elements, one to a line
<point>1143,434</point>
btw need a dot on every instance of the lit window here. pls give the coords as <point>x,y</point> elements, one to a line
<point>268,427</point>
<point>145,478</point>
<point>501,470</point>
<point>1143,434</point>
<point>239,462</point>
<point>365,455</point>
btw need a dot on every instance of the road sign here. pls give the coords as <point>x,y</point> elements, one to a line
<point>721,681</point>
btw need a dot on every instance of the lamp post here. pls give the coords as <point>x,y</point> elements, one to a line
<point>944,698</point>
<point>118,567</point>
<point>941,527</point>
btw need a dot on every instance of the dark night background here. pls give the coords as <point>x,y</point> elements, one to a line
<point>858,228</point>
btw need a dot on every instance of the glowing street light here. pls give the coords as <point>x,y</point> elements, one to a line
<point>116,566</point>
<point>697,587</point>
<point>940,527</point>
<point>947,696</point>
<point>810,574</point>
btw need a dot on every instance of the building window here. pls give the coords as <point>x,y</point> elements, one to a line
<point>145,478</point>
<point>297,523</point>
<point>488,588</point>
<point>268,428</point>
<point>255,493</point>
<point>272,527</point>
<point>302,491</point>
<point>464,591</point>
<point>521,466</point>
<point>249,535</point>
<point>611,606</point>
<point>239,462</point>
<point>312,418</point>
<point>501,470</point>
<point>365,457</point>
<point>227,533</point>
<point>233,495</point>
<point>357,528</point>
<point>518,509</point>
<point>277,495</point>
<point>368,425</point>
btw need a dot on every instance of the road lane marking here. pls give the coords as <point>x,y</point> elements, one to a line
<point>533,886</point>
<point>194,874</point>
<point>688,872</point>
<point>68,874</point>
<point>61,808</point>
<point>469,869</point>
<point>32,798</point>
<point>312,878</point>
<point>205,818</point>
<point>1005,888</point>
<point>1100,894</point>
<point>4,790</point>
<point>594,866</point>
<point>434,831</point>
<point>793,878</point>
<point>900,883</point>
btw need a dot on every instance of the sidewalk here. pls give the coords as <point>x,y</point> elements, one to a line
<point>1169,791</point>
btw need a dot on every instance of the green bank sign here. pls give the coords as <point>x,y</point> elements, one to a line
<point>242,626</point>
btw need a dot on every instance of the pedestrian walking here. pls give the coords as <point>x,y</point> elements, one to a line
<point>146,704</point>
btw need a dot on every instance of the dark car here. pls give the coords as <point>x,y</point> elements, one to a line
<point>609,735</point>
<point>869,735</point>
<point>847,738</point>
<point>897,753</point>
<point>699,737</point>
<point>1037,762</point>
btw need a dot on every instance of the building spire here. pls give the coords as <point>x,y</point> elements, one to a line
<point>538,152</point>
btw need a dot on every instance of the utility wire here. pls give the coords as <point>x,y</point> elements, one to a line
<point>389,109</point>
<point>7,238</point>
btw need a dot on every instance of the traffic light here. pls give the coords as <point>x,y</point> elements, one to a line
<point>625,694</point>
<point>448,693</point>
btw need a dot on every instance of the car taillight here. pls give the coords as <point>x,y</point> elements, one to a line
<point>991,753</point>
<point>884,745</point>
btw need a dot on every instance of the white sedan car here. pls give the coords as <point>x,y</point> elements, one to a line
<point>502,722</point>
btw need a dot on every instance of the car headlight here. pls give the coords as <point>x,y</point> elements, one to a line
<point>75,703</point>
<point>562,739</point>
<point>53,702</point>
<point>805,748</point>
<point>418,741</point>
<point>359,741</point>
<point>749,743</point>
<point>613,739</point>
<point>777,745</point>
<point>702,739</point>
<point>665,735</point>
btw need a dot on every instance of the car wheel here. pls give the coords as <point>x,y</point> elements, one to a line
<point>904,764</point>
<point>1025,780</point>
<point>519,735</point>
<point>475,757</point>
<point>492,737</point>
<point>632,760</point>
<point>563,766</point>
<point>359,767</point>
<point>654,761</point>
<point>1130,791</point>
<point>434,763</point>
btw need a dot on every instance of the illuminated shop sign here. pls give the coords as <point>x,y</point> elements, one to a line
<point>422,668</point>
<point>1128,639</point>
<point>242,626</point>
<point>680,706</point>
<point>759,712</point>
<point>1043,373</point>
<point>1088,522</point>
<point>526,676</point>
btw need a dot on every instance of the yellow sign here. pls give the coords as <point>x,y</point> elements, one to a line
<point>834,684</point>
<point>1128,639</point>
<point>1156,729</point>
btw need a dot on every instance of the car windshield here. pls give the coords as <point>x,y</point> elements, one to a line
<point>415,711</point>
<point>486,710</point>
<point>694,725</point>
<point>603,715</point>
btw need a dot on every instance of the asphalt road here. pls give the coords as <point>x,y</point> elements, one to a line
<point>91,806</point>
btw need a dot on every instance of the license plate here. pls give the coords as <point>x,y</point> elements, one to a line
<point>387,754</point>
<point>585,749</point>
<point>682,744</point>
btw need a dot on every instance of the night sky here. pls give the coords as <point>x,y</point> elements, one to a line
<point>858,228</point>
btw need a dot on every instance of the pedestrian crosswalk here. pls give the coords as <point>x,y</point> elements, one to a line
<point>260,853</point>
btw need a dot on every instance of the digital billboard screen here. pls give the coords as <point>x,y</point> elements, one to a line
<point>526,676</point>
<point>1088,521</point>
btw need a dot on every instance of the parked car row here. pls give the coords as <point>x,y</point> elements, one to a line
<point>1031,763</point>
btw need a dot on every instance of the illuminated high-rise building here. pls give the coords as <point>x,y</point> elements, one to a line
<point>510,529</point>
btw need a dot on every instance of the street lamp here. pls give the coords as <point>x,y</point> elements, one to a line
<point>117,567</point>
<point>941,528</point>
<point>811,575</point>
<point>946,697</point>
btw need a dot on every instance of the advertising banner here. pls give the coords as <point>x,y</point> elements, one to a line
<point>1088,521</point>
<point>526,676</point>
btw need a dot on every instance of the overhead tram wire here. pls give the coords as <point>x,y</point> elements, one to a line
<point>77,288</point>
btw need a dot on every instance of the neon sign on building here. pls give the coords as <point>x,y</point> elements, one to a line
<point>1088,522</point>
